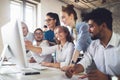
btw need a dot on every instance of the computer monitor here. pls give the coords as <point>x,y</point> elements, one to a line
<point>13,41</point>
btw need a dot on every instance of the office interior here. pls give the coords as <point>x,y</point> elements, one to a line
<point>44,6</point>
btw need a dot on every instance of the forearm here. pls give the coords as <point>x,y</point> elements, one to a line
<point>37,50</point>
<point>55,65</point>
<point>75,55</point>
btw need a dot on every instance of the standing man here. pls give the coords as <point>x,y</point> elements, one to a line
<point>104,51</point>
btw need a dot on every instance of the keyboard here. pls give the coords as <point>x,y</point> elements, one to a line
<point>37,66</point>
<point>9,70</point>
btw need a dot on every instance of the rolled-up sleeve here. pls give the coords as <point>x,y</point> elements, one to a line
<point>83,38</point>
<point>86,60</point>
<point>88,57</point>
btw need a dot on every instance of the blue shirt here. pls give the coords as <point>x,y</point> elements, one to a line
<point>49,35</point>
<point>83,37</point>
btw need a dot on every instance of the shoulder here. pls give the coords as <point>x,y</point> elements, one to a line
<point>30,34</point>
<point>95,43</point>
<point>71,44</point>
<point>45,41</point>
<point>49,31</point>
<point>82,26</point>
<point>117,36</point>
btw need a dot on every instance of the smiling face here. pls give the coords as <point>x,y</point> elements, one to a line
<point>38,34</point>
<point>95,30</point>
<point>60,34</point>
<point>50,22</point>
<point>67,19</point>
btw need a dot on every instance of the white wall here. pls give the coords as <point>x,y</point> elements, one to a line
<point>52,6</point>
<point>4,17</point>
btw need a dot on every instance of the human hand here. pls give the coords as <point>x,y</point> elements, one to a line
<point>45,64</point>
<point>96,75</point>
<point>74,70</point>
<point>64,68</point>
<point>69,72</point>
<point>32,60</point>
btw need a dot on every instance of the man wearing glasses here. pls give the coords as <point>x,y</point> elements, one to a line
<point>34,47</point>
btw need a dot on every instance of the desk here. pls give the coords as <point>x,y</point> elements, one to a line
<point>48,74</point>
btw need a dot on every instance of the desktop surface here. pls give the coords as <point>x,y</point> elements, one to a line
<point>45,74</point>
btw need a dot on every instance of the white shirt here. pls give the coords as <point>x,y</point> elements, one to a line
<point>63,54</point>
<point>41,58</point>
<point>29,37</point>
<point>107,59</point>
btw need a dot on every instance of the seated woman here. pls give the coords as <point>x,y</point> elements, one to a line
<point>64,48</point>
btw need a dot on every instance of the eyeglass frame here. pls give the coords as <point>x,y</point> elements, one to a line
<point>48,20</point>
<point>40,33</point>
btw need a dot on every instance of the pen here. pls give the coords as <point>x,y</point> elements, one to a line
<point>31,73</point>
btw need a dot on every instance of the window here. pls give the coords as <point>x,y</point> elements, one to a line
<point>24,11</point>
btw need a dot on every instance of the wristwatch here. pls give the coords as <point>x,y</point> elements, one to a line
<point>73,62</point>
<point>112,77</point>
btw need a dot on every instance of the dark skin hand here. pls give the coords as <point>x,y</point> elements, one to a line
<point>97,75</point>
<point>74,70</point>
<point>94,74</point>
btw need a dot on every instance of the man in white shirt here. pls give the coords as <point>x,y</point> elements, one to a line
<point>38,42</point>
<point>104,51</point>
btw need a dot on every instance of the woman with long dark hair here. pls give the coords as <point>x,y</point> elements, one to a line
<point>52,21</point>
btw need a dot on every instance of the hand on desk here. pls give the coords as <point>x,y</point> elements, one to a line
<point>74,70</point>
<point>96,75</point>
<point>65,68</point>
<point>45,64</point>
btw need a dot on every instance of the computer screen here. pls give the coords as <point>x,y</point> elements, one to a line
<point>13,41</point>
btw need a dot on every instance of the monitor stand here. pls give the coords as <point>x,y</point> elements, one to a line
<point>3,54</point>
<point>6,68</point>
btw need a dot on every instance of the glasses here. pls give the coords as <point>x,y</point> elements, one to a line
<point>39,33</point>
<point>48,20</point>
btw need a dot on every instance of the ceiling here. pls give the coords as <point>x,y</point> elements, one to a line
<point>87,4</point>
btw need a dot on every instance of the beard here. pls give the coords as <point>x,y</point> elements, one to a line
<point>94,37</point>
<point>39,40</point>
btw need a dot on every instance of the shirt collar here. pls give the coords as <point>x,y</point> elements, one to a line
<point>114,40</point>
<point>64,46</point>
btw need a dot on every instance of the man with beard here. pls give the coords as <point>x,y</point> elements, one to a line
<point>34,47</point>
<point>104,51</point>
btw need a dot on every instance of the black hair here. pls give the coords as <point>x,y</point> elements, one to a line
<point>38,29</point>
<point>45,26</point>
<point>69,9</point>
<point>99,16</point>
<point>54,16</point>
